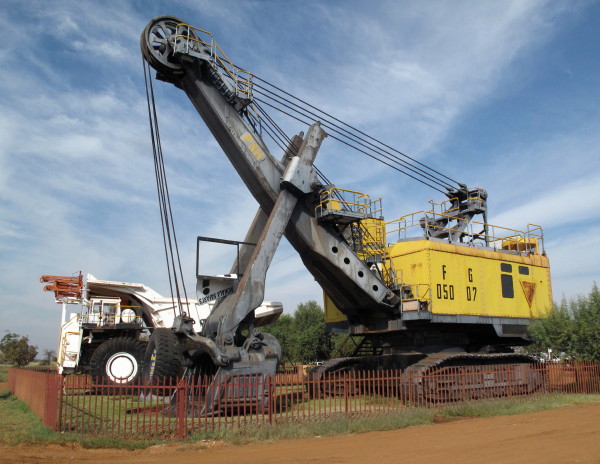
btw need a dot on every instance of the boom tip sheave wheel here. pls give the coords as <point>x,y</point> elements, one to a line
<point>157,44</point>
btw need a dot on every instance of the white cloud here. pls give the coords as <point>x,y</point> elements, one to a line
<point>574,261</point>
<point>574,203</point>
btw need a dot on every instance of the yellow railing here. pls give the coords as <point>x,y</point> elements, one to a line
<point>63,348</point>
<point>389,274</point>
<point>415,292</point>
<point>373,244</point>
<point>367,213</point>
<point>240,77</point>
<point>337,200</point>
<point>415,297</point>
<point>476,233</point>
<point>474,193</point>
<point>109,318</point>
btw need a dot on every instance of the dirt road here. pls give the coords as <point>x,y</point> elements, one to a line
<point>561,436</point>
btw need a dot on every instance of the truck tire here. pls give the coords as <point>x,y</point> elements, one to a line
<point>117,361</point>
<point>163,362</point>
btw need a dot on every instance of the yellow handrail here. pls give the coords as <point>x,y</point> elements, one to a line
<point>424,295</point>
<point>401,226</point>
<point>360,202</point>
<point>241,77</point>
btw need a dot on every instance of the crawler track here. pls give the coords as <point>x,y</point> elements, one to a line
<point>440,378</point>
<point>434,378</point>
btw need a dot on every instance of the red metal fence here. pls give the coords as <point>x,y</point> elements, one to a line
<point>39,389</point>
<point>190,408</point>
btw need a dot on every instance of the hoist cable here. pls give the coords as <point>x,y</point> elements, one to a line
<point>166,213</point>
<point>428,168</point>
<point>274,126</point>
<point>362,142</point>
<point>358,149</point>
<point>349,126</point>
<point>271,121</point>
<point>158,176</point>
<point>272,130</point>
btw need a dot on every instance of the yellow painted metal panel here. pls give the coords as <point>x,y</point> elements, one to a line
<point>468,281</point>
<point>332,313</point>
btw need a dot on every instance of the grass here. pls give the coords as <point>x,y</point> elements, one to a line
<point>4,372</point>
<point>18,421</point>
<point>491,408</point>
<point>336,425</point>
<point>408,417</point>
<point>20,425</point>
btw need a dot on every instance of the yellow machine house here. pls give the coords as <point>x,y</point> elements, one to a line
<point>452,270</point>
<point>462,280</point>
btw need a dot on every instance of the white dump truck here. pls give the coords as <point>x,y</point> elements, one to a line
<point>107,335</point>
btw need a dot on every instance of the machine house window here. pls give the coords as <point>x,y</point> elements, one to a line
<point>523,270</point>
<point>508,290</point>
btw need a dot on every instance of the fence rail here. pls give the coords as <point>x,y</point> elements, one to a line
<point>175,410</point>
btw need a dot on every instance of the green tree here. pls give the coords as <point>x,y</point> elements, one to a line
<point>49,356</point>
<point>283,329</point>
<point>572,327</point>
<point>585,341</point>
<point>555,331</point>
<point>15,349</point>
<point>303,337</point>
<point>312,342</point>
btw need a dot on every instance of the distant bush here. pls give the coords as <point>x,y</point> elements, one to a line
<point>303,336</point>
<point>573,327</point>
<point>15,349</point>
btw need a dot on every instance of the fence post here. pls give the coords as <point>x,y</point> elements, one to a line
<point>346,387</point>
<point>51,400</point>
<point>271,397</point>
<point>181,409</point>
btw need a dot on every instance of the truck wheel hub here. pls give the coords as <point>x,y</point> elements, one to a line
<point>121,367</point>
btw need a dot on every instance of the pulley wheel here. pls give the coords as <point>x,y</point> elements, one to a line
<point>157,44</point>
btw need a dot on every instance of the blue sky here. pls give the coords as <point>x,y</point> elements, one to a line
<point>503,95</point>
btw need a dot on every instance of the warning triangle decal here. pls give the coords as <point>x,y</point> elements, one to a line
<point>529,291</point>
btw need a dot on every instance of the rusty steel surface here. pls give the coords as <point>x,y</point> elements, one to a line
<point>64,286</point>
<point>28,386</point>
<point>177,410</point>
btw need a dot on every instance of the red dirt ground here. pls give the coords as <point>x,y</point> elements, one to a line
<point>560,436</point>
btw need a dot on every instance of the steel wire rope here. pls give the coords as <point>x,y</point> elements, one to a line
<point>166,213</point>
<point>351,127</point>
<point>282,136</point>
<point>338,195</point>
<point>369,146</point>
<point>323,177</point>
<point>282,140</point>
<point>358,149</point>
<point>272,132</point>
<point>275,127</point>
<point>287,142</point>
<point>270,122</point>
<point>159,184</point>
<point>271,126</point>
